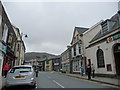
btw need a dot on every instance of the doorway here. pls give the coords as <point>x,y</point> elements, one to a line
<point>117,58</point>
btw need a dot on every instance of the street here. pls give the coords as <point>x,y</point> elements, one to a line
<point>59,80</point>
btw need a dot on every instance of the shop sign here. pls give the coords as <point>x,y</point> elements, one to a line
<point>112,38</point>
<point>3,48</point>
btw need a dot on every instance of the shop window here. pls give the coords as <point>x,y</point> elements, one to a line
<point>100,58</point>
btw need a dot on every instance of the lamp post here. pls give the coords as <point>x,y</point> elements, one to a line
<point>21,62</point>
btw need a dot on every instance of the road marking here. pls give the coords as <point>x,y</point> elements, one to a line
<point>58,83</point>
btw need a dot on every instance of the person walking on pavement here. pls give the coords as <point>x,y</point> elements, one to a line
<point>93,70</point>
<point>82,70</point>
<point>89,71</point>
<point>6,69</point>
<point>36,71</point>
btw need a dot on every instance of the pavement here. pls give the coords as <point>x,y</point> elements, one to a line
<point>106,80</point>
<point>2,82</point>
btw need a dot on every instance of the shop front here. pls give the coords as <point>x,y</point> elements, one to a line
<point>9,58</point>
<point>2,54</point>
<point>76,64</point>
<point>66,66</point>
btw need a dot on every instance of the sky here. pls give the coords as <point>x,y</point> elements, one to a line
<point>50,25</point>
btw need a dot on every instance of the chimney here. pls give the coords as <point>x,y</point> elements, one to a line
<point>68,46</point>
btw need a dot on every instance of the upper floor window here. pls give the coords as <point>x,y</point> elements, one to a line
<point>79,47</point>
<point>77,37</point>
<point>18,47</point>
<point>0,20</point>
<point>74,50</point>
<point>100,58</point>
<point>5,33</point>
<point>105,27</point>
<point>67,55</point>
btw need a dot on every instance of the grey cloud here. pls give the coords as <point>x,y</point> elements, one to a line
<point>50,25</point>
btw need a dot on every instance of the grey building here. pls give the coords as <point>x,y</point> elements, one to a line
<point>66,59</point>
<point>57,63</point>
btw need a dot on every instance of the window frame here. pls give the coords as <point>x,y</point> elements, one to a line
<point>100,58</point>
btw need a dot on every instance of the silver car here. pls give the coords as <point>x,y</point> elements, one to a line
<point>21,75</point>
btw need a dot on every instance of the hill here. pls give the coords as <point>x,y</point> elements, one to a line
<point>41,56</point>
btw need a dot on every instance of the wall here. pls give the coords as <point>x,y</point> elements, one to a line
<point>108,57</point>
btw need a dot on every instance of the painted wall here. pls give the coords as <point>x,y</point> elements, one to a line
<point>88,36</point>
<point>48,67</point>
<point>108,56</point>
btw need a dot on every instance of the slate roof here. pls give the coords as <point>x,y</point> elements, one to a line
<point>81,30</point>
<point>115,26</point>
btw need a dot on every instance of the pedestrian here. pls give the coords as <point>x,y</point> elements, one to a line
<point>93,70</point>
<point>6,69</point>
<point>82,70</point>
<point>36,71</point>
<point>89,71</point>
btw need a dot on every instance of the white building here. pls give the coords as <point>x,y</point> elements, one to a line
<point>87,37</point>
<point>77,49</point>
<point>104,48</point>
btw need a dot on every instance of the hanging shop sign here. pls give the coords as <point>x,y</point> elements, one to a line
<point>112,38</point>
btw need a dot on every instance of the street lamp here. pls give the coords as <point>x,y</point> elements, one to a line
<point>22,34</point>
<point>21,42</point>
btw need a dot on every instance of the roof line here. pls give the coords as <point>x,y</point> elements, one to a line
<point>93,27</point>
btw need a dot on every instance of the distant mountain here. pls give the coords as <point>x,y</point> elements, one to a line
<point>41,56</point>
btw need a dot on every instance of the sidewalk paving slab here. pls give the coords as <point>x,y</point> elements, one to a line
<point>3,82</point>
<point>105,80</point>
<point>111,81</point>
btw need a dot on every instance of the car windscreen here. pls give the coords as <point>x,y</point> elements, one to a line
<point>20,69</point>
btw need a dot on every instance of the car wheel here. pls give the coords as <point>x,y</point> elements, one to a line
<point>34,86</point>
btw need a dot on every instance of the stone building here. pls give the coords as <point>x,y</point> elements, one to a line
<point>77,53</point>
<point>66,58</point>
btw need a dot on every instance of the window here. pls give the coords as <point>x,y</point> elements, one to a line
<point>20,69</point>
<point>100,58</point>
<point>109,68</point>
<point>105,27</point>
<point>74,49</point>
<point>18,47</point>
<point>5,33</point>
<point>77,37</point>
<point>0,20</point>
<point>79,48</point>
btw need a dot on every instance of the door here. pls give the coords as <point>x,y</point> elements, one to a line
<point>117,58</point>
